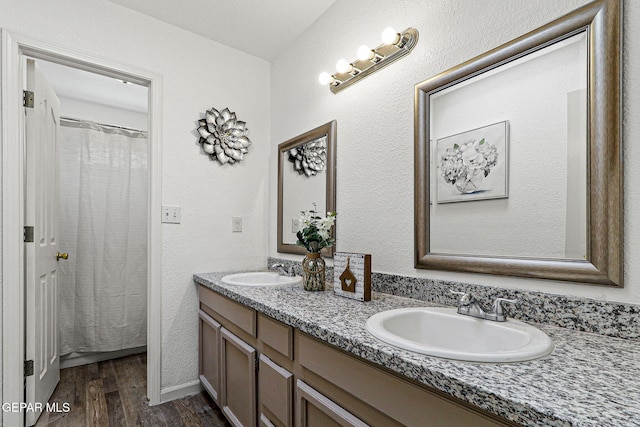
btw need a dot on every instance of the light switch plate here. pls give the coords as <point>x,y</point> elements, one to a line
<point>171,214</point>
<point>236,224</point>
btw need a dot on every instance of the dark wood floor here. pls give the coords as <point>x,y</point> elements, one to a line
<point>112,393</point>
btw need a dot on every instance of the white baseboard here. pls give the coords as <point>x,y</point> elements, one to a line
<point>178,391</point>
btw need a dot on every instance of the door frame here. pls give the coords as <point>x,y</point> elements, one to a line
<point>12,138</point>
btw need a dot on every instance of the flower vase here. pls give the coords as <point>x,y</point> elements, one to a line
<point>469,185</point>
<point>313,272</point>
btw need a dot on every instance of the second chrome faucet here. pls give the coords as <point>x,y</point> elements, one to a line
<point>468,305</point>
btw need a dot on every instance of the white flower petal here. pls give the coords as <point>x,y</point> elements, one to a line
<point>203,132</point>
<point>244,141</point>
<point>236,154</point>
<point>222,158</point>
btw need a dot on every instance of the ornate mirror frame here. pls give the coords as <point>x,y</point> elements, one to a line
<point>602,21</point>
<point>328,129</point>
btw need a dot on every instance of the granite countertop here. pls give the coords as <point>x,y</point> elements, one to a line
<point>589,380</point>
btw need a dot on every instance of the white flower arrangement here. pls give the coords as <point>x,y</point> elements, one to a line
<point>468,161</point>
<point>316,230</point>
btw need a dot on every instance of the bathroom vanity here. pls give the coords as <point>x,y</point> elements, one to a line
<point>249,360</point>
<point>280,356</point>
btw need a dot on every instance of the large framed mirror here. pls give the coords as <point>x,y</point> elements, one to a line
<point>518,156</point>
<point>306,177</point>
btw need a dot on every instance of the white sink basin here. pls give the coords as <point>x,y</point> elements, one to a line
<point>444,333</point>
<point>260,278</point>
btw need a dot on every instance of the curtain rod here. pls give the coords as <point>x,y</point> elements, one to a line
<point>89,122</point>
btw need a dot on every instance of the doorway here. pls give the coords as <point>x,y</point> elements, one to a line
<point>15,48</point>
<point>102,215</point>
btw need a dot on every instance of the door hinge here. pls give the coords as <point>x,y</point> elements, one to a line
<point>28,233</point>
<point>27,98</point>
<point>28,368</point>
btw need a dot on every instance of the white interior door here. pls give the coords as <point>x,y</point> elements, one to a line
<point>42,122</point>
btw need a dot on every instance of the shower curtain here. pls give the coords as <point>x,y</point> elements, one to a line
<point>103,227</point>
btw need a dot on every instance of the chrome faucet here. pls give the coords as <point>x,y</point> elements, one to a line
<point>283,271</point>
<point>468,305</point>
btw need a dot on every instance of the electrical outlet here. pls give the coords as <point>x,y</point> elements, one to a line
<point>295,225</point>
<point>236,224</point>
<point>171,214</point>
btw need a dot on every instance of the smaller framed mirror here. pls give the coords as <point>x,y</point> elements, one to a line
<point>306,176</point>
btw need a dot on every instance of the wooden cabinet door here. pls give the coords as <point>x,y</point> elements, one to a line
<point>238,374</point>
<point>275,392</point>
<point>209,355</point>
<point>316,410</point>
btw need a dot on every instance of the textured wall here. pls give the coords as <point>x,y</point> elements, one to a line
<point>197,74</point>
<point>375,120</point>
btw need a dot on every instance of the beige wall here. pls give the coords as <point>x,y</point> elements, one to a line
<point>197,74</point>
<point>375,120</point>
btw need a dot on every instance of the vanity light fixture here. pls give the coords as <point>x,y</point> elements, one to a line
<point>394,46</point>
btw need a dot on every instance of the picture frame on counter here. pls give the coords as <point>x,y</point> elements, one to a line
<point>352,275</point>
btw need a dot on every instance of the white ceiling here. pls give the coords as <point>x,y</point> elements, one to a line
<point>263,28</point>
<point>85,86</point>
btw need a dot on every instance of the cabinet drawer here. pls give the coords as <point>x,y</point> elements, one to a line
<point>276,393</point>
<point>241,316</point>
<point>399,399</point>
<point>315,409</point>
<point>276,335</point>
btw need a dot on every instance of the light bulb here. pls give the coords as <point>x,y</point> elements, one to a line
<point>364,53</point>
<point>390,36</point>
<point>343,66</point>
<point>325,78</point>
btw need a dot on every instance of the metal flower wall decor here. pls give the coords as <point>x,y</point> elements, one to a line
<point>223,137</point>
<point>309,158</point>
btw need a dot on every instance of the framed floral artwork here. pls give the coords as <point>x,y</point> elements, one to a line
<point>473,165</point>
